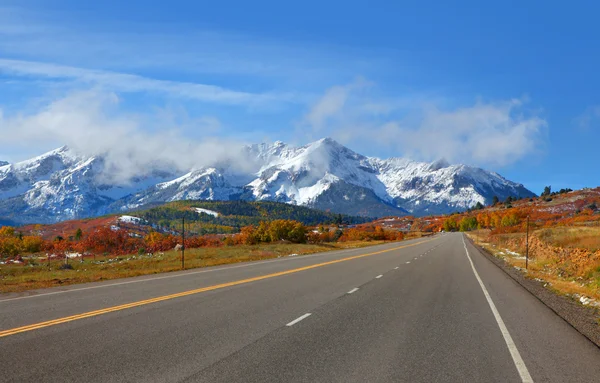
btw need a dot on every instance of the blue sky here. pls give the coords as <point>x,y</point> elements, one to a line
<point>506,86</point>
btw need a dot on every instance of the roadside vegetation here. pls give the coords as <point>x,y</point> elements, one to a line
<point>29,261</point>
<point>557,258</point>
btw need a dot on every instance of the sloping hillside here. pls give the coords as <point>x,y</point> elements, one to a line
<point>201,217</point>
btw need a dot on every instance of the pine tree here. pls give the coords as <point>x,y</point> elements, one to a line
<point>547,191</point>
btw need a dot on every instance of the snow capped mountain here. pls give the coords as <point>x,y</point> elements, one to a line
<point>324,174</point>
<point>438,187</point>
<point>60,185</point>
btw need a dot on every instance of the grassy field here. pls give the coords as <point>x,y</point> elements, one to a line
<point>583,237</point>
<point>19,277</point>
<point>565,259</point>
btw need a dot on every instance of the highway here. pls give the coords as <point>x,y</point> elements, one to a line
<point>425,310</point>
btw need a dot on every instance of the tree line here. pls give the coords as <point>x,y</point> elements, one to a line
<point>114,241</point>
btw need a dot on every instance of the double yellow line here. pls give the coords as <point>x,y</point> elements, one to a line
<point>89,314</point>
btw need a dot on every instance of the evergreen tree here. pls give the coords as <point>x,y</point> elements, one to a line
<point>495,200</point>
<point>547,191</point>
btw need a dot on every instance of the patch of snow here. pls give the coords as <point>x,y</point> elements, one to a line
<point>585,300</point>
<point>206,211</point>
<point>130,219</point>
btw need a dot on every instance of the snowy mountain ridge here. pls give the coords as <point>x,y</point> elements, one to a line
<point>324,174</point>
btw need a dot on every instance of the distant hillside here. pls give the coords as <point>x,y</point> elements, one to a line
<point>201,217</point>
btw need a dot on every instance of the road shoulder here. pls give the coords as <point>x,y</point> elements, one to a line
<point>586,320</point>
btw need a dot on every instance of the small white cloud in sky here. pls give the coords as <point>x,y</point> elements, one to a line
<point>122,82</point>
<point>588,118</point>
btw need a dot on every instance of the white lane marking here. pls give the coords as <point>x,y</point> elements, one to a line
<point>396,268</point>
<point>353,290</point>
<point>514,352</point>
<point>298,319</point>
<point>379,276</point>
<point>155,278</point>
<point>408,262</point>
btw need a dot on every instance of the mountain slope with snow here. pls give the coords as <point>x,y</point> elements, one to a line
<point>325,175</point>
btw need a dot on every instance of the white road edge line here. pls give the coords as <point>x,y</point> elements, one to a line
<point>379,276</point>
<point>298,319</point>
<point>514,352</point>
<point>353,290</point>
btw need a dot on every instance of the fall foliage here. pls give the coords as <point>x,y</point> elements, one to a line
<point>119,241</point>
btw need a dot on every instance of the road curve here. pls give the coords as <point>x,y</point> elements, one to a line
<point>427,310</point>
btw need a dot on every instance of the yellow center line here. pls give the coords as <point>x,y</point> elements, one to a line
<point>107,310</point>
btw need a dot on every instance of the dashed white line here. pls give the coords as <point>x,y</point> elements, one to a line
<point>379,276</point>
<point>512,347</point>
<point>408,262</point>
<point>353,290</point>
<point>298,319</point>
<point>396,268</point>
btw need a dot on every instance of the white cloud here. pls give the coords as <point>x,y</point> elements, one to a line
<point>486,134</point>
<point>590,116</point>
<point>92,123</point>
<point>330,106</point>
<point>133,83</point>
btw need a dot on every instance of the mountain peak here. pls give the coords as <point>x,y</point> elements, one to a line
<point>439,164</point>
<point>328,141</point>
<point>3,163</point>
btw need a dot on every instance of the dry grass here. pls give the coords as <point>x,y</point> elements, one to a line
<point>583,237</point>
<point>16,277</point>
<point>565,258</point>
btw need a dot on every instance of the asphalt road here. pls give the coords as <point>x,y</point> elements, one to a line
<point>414,311</point>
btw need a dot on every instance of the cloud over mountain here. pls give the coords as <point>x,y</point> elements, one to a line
<point>324,174</point>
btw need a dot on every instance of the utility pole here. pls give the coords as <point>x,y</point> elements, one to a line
<point>527,246</point>
<point>182,243</point>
